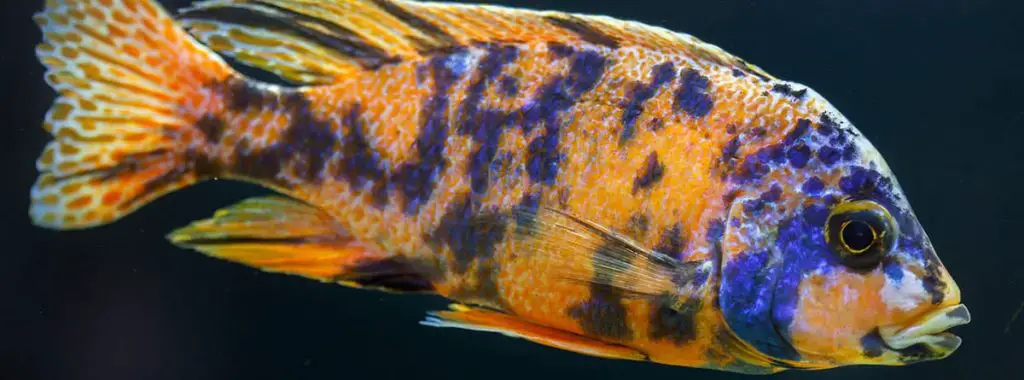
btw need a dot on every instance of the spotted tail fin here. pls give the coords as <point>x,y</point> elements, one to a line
<point>132,105</point>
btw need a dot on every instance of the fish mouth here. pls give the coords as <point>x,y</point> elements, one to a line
<point>929,331</point>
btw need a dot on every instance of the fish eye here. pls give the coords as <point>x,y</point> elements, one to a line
<point>857,236</point>
<point>860,233</point>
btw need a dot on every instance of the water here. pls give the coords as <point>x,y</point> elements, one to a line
<point>936,88</point>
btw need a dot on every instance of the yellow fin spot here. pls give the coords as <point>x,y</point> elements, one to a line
<point>50,199</point>
<point>47,158</point>
<point>120,17</point>
<point>80,202</point>
<point>68,149</point>
<point>111,197</point>
<point>90,69</point>
<point>220,43</point>
<point>88,105</point>
<point>61,111</point>
<point>131,49</point>
<point>69,52</point>
<point>71,188</point>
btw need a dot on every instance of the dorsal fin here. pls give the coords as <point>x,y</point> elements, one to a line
<point>316,41</point>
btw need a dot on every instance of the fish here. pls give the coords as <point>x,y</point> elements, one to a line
<point>591,184</point>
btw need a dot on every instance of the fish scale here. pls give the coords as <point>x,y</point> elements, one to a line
<point>587,183</point>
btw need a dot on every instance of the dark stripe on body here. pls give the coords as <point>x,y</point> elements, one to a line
<point>672,241</point>
<point>558,95</point>
<point>360,164</point>
<point>469,233</point>
<point>678,326</point>
<point>693,95</point>
<point>604,314</point>
<point>486,126</point>
<point>305,146</point>
<point>212,128</point>
<point>650,173</point>
<point>660,75</point>
<point>417,179</point>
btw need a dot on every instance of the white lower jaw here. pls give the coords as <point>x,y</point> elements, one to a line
<point>930,330</point>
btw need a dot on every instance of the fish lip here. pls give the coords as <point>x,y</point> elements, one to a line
<point>930,331</point>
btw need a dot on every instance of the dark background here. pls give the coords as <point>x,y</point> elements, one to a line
<point>936,87</point>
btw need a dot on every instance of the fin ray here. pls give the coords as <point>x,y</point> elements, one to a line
<point>282,235</point>
<point>127,79</point>
<point>478,319</point>
<point>584,251</point>
<point>365,34</point>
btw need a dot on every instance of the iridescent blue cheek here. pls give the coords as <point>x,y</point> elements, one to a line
<point>802,245</point>
<point>748,281</point>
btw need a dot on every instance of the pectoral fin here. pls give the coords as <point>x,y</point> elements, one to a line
<point>465,317</point>
<point>582,250</point>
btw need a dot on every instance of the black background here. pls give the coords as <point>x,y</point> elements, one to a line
<point>935,85</point>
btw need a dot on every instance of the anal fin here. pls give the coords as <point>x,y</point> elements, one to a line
<point>478,319</point>
<point>280,235</point>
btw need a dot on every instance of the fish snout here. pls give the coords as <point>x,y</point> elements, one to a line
<point>927,338</point>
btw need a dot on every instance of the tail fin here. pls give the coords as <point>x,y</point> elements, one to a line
<point>132,102</point>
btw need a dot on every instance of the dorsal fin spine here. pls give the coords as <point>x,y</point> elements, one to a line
<point>367,34</point>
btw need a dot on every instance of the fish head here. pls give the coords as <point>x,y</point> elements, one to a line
<point>824,263</point>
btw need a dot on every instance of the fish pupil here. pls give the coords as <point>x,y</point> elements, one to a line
<point>858,235</point>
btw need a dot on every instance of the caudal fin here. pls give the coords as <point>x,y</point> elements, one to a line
<point>133,105</point>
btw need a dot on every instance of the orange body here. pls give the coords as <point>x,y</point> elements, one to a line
<point>419,138</point>
<point>597,177</point>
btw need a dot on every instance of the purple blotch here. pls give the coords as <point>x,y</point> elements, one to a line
<point>828,155</point>
<point>360,163</point>
<point>827,125</point>
<point>813,186</point>
<point>509,85</point>
<point>417,179</point>
<point>748,283</point>
<point>757,165</point>
<point>641,93</point>
<point>715,231</point>
<point>603,315</point>
<point>798,156</point>
<point>770,196</point>
<point>560,50</point>
<point>893,270</point>
<point>672,242</point>
<point>731,150</point>
<point>692,96</point>
<point>212,128</point>
<point>798,132</point>
<point>849,153</point>
<point>558,95</point>
<point>679,327</point>
<point>650,173</point>
<point>469,232</point>
<point>527,205</point>
<point>816,214</point>
<point>868,184</point>
<point>787,90</point>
